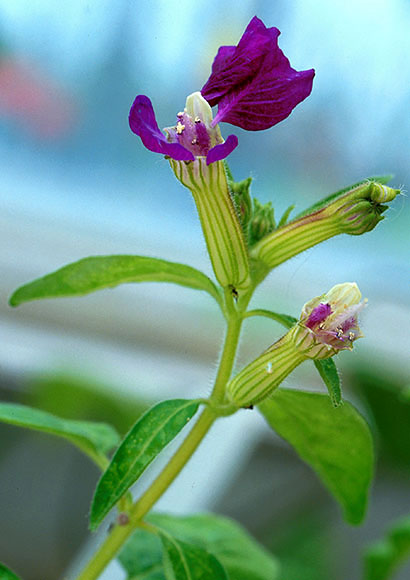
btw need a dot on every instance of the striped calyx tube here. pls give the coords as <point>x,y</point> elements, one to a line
<point>220,223</point>
<point>355,210</point>
<point>262,376</point>
<point>327,325</point>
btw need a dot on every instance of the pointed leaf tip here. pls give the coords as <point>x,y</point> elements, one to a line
<point>145,440</point>
<point>336,443</point>
<point>100,272</point>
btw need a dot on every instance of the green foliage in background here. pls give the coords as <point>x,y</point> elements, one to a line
<point>240,556</point>
<point>382,559</point>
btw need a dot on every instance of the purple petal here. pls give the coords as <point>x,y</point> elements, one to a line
<point>266,100</point>
<point>222,58</point>
<point>143,123</point>
<point>222,150</point>
<point>318,315</point>
<point>253,84</point>
<point>234,65</point>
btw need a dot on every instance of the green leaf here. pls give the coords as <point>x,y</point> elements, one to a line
<point>78,397</point>
<point>183,561</point>
<point>336,443</point>
<point>98,272</point>
<point>239,554</point>
<point>141,557</point>
<point>6,574</point>
<point>382,558</point>
<point>94,439</point>
<point>384,393</point>
<point>284,319</point>
<point>328,371</point>
<point>304,545</point>
<point>146,439</point>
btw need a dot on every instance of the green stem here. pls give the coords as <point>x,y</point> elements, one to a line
<point>229,351</point>
<point>119,534</point>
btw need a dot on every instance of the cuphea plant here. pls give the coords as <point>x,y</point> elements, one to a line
<point>255,88</point>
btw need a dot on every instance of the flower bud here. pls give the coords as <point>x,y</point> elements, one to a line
<point>240,191</point>
<point>327,325</point>
<point>262,221</point>
<point>353,211</point>
<point>361,211</point>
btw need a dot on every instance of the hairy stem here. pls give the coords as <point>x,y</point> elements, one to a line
<point>140,508</point>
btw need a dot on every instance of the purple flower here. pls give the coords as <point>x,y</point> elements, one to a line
<point>254,87</point>
<point>192,136</point>
<point>253,83</point>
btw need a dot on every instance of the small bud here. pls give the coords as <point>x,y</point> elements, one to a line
<point>353,211</point>
<point>262,221</point>
<point>240,191</point>
<point>327,325</point>
<point>361,211</point>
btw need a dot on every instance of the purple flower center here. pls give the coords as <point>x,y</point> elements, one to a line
<point>336,329</point>
<point>191,134</point>
<point>191,137</point>
<point>318,315</point>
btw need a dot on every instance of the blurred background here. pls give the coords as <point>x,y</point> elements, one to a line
<point>74,181</point>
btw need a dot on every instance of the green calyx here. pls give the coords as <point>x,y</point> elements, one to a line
<point>355,210</point>
<point>221,226</point>
<point>262,376</point>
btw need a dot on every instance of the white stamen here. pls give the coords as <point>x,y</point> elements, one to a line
<point>180,128</point>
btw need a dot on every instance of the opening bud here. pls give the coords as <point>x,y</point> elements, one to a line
<point>327,325</point>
